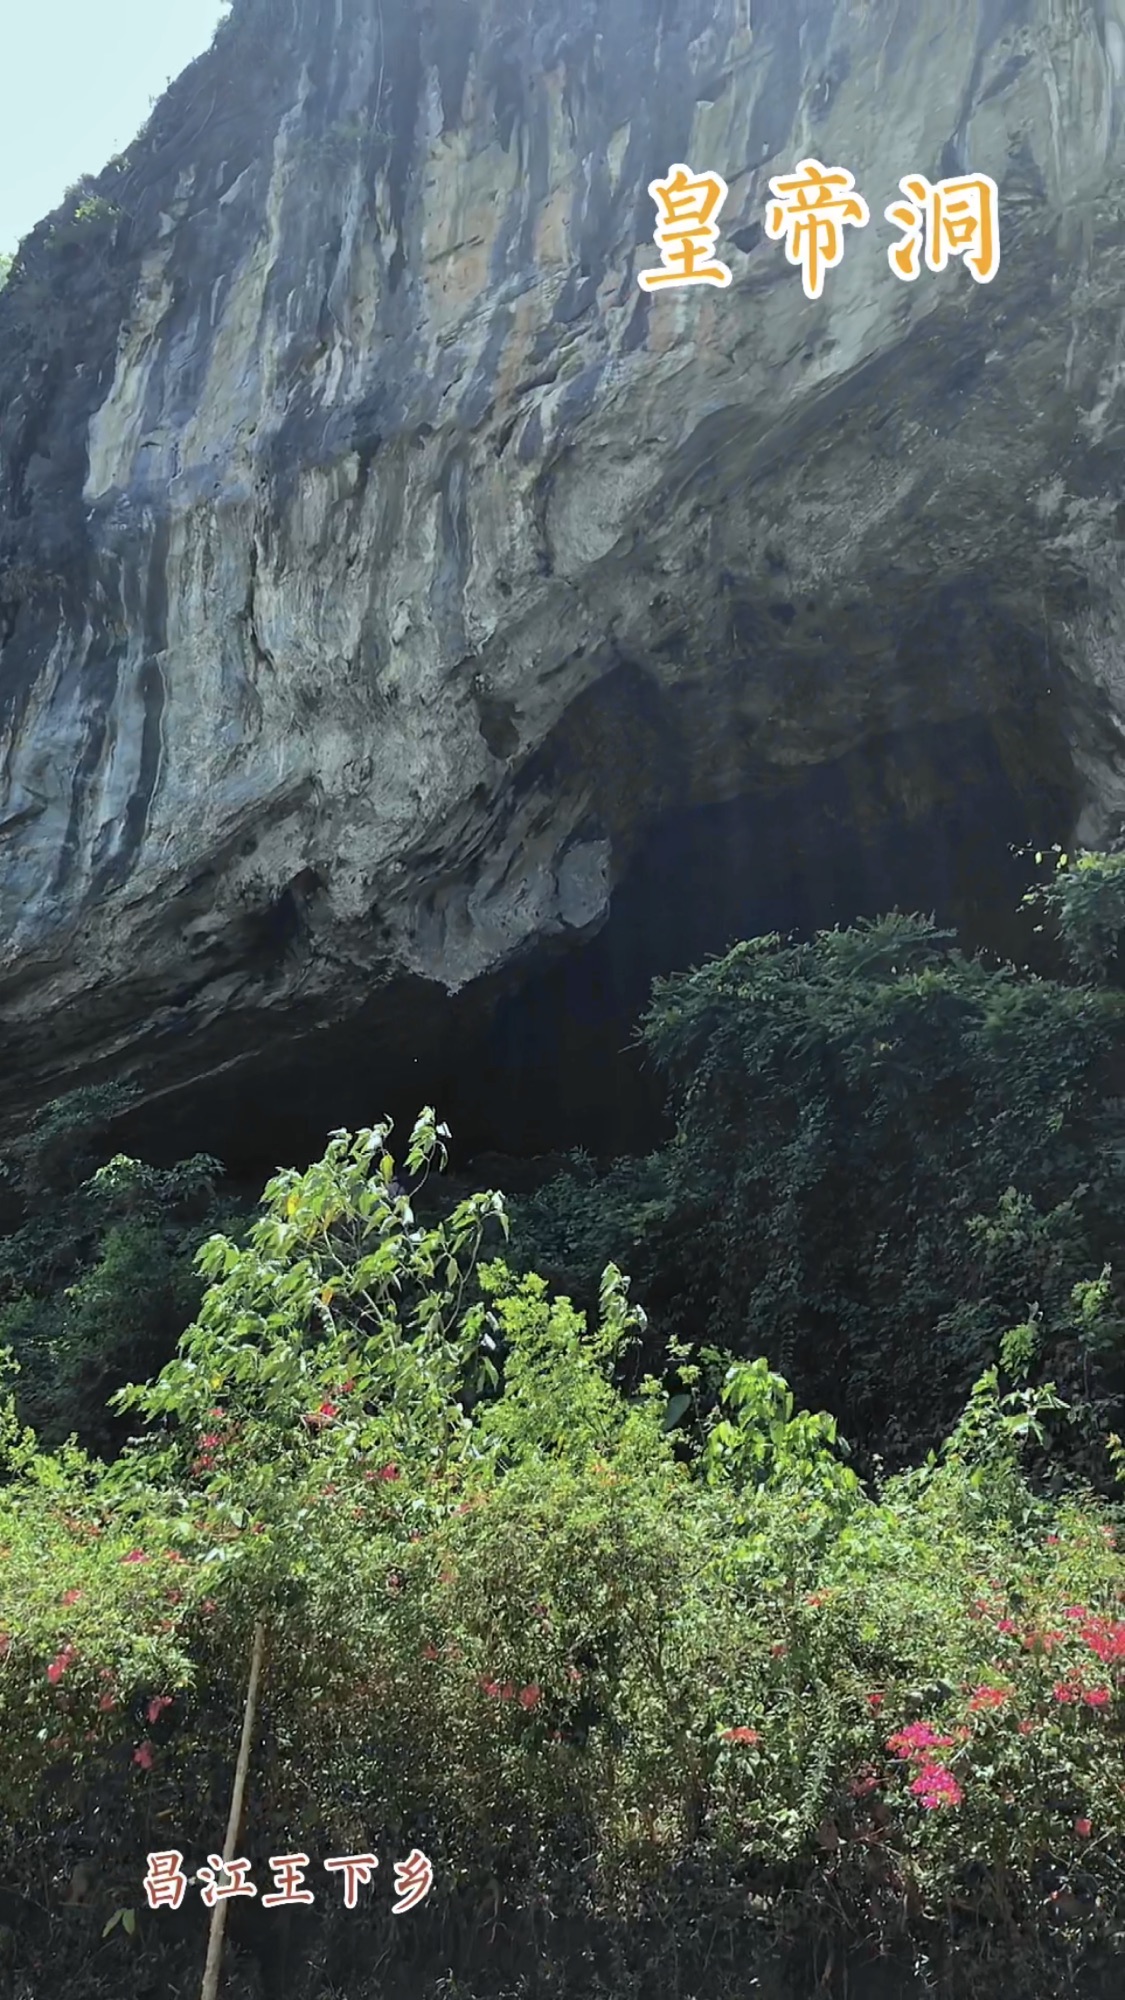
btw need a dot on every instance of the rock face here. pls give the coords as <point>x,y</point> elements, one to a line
<point>380,565</point>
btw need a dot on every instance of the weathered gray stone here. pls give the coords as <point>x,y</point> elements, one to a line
<point>377,561</point>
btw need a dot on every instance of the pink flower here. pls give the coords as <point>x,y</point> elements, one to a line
<point>142,1755</point>
<point>388,1472</point>
<point>157,1706</point>
<point>1083,1828</point>
<point>875,1701</point>
<point>529,1695</point>
<point>327,1410</point>
<point>936,1786</point>
<point>1052,1541</point>
<point>1099,1697</point>
<point>135,1556</point>
<point>1027,1728</point>
<point>1063,1691</point>
<point>741,1734</point>
<point>71,1596</point>
<point>106,1703</point>
<point>1076,1612</point>
<point>1005,1624</point>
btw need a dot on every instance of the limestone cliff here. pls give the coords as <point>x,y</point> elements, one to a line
<point>378,563</point>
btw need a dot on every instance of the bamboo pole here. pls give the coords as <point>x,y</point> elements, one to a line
<point>213,1966</point>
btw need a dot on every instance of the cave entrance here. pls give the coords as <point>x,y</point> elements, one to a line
<point>541,1060</point>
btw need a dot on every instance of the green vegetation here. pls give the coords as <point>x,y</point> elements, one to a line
<point>886,1155</point>
<point>583,1604</point>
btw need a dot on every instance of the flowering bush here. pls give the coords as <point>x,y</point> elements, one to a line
<point>513,1609</point>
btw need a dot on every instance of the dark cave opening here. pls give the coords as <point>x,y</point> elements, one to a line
<point>543,1060</point>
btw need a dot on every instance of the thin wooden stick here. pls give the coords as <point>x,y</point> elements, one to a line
<point>213,1966</point>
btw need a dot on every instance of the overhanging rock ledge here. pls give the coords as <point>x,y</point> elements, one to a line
<point>378,565</point>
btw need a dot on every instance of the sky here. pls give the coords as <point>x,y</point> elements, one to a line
<point>79,77</point>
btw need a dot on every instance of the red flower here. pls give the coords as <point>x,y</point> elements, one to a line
<point>135,1556</point>
<point>1063,1691</point>
<point>1097,1697</point>
<point>1027,1728</point>
<point>388,1472</point>
<point>71,1596</point>
<point>1076,1612</point>
<point>60,1663</point>
<point>779,1649</point>
<point>1042,1642</point>
<point>529,1695</point>
<point>327,1410</point>
<point>875,1701</point>
<point>507,1690</point>
<point>157,1706</point>
<point>1106,1640</point>
<point>1084,1828</point>
<point>1052,1541</point>
<point>741,1734</point>
<point>988,1697</point>
<point>142,1755</point>
<point>1005,1624</point>
<point>210,1442</point>
<point>491,1687</point>
<point>106,1703</point>
<point>916,1739</point>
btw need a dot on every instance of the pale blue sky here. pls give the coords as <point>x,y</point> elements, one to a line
<point>78,79</point>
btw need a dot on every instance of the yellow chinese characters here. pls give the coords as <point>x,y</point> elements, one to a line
<point>810,210</point>
<point>686,233</point>
<point>956,217</point>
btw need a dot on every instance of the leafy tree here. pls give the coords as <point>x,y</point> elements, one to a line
<point>887,1154</point>
<point>97,1275</point>
<point>1085,902</point>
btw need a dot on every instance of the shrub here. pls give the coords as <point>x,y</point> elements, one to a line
<point>563,1637</point>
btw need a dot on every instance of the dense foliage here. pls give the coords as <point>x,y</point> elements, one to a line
<point>577,1600</point>
<point>886,1154</point>
<point>97,1268</point>
<point>589,1650</point>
